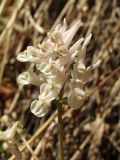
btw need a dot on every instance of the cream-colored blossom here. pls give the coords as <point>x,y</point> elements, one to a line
<point>30,78</point>
<point>9,133</point>
<point>55,59</point>
<point>76,97</point>
<point>40,107</point>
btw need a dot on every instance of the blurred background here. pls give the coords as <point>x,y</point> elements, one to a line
<point>91,132</point>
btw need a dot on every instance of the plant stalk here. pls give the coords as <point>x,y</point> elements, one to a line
<point>60,133</point>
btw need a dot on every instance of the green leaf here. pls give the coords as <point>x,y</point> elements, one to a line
<point>24,132</point>
<point>1,146</point>
<point>57,102</point>
<point>1,25</point>
<point>65,100</point>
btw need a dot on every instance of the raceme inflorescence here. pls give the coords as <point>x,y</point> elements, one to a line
<point>56,63</point>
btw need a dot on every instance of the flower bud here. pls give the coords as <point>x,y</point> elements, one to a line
<point>76,98</point>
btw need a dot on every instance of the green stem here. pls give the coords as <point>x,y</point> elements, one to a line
<point>60,126</point>
<point>60,133</point>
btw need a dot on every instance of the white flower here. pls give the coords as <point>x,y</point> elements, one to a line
<point>94,65</point>
<point>82,55</point>
<point>54,60</point>
<point>40,107</point>
<point>49,90</point>
<point>67,35</point>
<point>9,133</point>
<point>26,78</point>
<point>81,72</point>
<point>76,46</point>
<point>76,97</point>
<point>27,56</point>
<point>50,68</point>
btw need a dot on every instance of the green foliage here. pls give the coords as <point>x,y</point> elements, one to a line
<point>23,132</point>
<point>1,25</point>
<point>65,100</point>
<point>59,102</point>
<point>1,146</point>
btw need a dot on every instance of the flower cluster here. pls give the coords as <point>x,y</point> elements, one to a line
<point>55,62</point>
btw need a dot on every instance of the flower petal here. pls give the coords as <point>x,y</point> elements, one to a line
<point>24,78</point>
<point>69,34</point>
<point>76,98</point>
<point>76,46</point>
<point>26,56</point>
<point>39,108</point>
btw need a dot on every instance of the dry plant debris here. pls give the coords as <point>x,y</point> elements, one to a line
<point>90,132</point>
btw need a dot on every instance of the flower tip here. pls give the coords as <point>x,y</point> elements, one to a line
<point>21,57</point>
<point>24,78</point>
<point>87,40</point>
<point>64,22</point>
<point>79,22</point>
<point>38,109</point>
<point>95,65</point>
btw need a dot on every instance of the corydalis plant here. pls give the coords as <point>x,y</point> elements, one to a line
<point>57,62</point>
<point>9,136</point>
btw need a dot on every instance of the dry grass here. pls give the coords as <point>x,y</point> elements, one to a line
<point>91,132</point>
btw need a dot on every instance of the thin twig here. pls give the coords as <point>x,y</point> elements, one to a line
<point>11,21</point>
<point>2,5</point>
<point>29,148</point>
